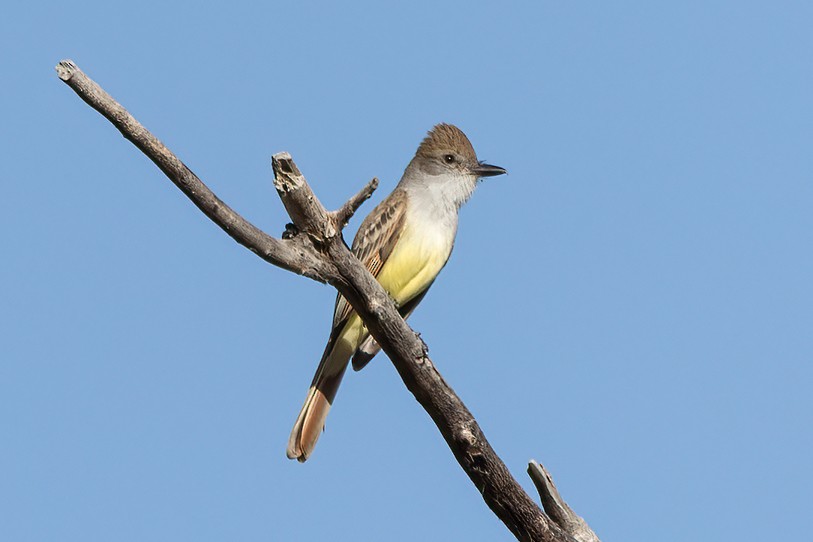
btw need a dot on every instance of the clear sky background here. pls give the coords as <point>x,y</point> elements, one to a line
<point>632,306</point>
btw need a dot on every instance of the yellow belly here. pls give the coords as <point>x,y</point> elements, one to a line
<point>413,264</point>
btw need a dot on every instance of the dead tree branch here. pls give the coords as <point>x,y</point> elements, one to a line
<point>315,248</point>
<point>555,506</point>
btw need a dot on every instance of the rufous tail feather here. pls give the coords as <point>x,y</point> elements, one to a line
<point>311,420</point>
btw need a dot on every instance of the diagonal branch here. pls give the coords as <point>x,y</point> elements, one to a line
<point>315,248</point>
<point>292,255</point>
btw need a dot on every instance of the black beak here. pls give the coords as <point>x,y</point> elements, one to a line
<point>487,170</point>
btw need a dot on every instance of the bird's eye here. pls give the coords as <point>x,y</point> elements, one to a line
<point>449,158</point>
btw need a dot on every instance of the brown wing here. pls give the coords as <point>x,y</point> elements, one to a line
<point>376,238</point>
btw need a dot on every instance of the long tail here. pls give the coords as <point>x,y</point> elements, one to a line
<point>311,419</point>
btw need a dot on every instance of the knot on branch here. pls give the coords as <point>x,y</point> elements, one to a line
<point>471,446</point>
<point>290,232</point>
<point>466,437</point>
<point>424,358</point>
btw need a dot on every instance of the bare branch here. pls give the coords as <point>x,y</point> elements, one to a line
<point>556,508</point>
<point>346,212</point>
<point>292,255</point>
<point>321,254</point>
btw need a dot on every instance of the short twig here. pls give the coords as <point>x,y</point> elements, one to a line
<point>346,211</point>
<point>555,506</point>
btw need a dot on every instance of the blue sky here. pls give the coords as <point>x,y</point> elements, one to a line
<point>632,306</point>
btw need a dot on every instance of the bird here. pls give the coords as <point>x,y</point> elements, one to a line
<point>404,242</point>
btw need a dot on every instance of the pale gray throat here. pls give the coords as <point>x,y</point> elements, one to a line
<point>444,194</point>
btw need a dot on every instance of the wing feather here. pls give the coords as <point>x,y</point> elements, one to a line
<point>373,244</point>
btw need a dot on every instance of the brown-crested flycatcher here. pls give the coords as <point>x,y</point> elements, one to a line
<point>404,243</point>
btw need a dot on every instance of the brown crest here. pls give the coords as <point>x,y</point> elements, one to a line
<point>446,138</point>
